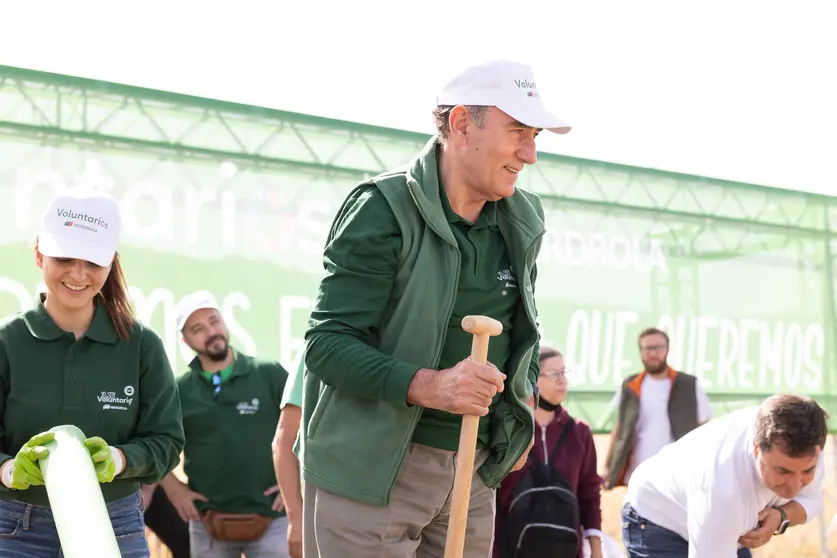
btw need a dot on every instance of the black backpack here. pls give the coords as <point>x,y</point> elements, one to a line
<point>542,518</point>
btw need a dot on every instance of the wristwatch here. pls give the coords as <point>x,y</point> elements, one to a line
<point>783,525</point>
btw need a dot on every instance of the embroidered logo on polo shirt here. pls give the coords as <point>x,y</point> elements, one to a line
<point>507,276</point>
<point>111,402</point>
<point>248,407</point>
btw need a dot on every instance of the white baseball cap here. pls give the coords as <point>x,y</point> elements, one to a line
<point>190,304</point>
<point>81,223</point>
<point>509,86</point>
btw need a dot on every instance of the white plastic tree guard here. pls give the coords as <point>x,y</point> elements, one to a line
<point>75,496</point>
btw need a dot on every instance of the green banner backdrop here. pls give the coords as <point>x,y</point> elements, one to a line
<point>748,300</point>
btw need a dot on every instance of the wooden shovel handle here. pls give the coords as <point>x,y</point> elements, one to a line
<point>482,327</point>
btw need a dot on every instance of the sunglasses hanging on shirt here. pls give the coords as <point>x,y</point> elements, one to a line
<point>216,385</point>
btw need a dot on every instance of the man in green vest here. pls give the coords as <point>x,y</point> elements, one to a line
<point>409,254</point>
<point>230,404</point>
<point>656,407</point>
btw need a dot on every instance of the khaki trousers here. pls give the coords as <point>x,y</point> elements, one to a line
<point>414,525</point>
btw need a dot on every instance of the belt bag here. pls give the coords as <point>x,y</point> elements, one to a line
<point>235,527</point>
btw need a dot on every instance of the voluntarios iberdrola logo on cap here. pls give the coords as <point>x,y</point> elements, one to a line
<point>81,220</point>
<point>530,87</point>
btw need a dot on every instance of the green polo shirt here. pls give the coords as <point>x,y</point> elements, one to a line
<point>225,373</point>
<point>228,456</point>
<point>487,286</point>
<point>121,390</point>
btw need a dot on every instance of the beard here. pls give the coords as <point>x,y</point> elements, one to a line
<point>656,369</point>
<point>218,353</point>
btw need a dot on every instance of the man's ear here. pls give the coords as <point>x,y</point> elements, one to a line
<point>458,123</point>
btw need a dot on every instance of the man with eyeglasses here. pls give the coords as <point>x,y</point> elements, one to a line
<point>231,404</point>
<point>656,407</point>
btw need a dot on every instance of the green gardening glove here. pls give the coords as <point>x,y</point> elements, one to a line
<point>102,458</point>
<point>27,469</point>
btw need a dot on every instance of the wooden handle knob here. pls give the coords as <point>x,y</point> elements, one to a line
<point>482,325</point>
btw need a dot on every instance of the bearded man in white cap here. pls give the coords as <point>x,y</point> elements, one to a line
<point>410,253</point>
<point>230,402</point>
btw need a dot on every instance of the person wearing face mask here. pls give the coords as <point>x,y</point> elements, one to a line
<point>231,405</point>
<point>80,357</point>
<point>730,485</point>
<point>566,446</point>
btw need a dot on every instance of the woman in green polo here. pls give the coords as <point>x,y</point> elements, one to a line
<point>79,357</point>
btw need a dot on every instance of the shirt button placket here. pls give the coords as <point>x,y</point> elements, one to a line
<point>70,389</point>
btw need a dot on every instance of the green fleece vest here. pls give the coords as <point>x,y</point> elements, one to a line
<point>412,329</point>
<point>682,415</point>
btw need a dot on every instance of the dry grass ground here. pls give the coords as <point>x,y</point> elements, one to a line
<point>798,542</point>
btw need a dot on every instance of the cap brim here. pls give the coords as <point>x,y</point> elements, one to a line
<point>537,117</point>
<point>62,246</point>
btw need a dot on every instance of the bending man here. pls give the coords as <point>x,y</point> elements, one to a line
<point>737,480</point>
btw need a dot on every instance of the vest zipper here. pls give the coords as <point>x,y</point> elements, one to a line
<point>448,314</point>
<point>545,452</point>
<point>532,319</point>
<point>452,301</point>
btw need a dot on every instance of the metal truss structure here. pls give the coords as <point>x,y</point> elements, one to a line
<point>51,108</point>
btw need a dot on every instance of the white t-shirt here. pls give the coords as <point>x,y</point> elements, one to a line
<point>653,429</point>
<point>706,487</point>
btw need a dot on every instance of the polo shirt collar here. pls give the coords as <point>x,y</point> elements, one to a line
<point>101,328</point>
<point>240,365</point>
<point>42,326</point>
<point>488,215</point>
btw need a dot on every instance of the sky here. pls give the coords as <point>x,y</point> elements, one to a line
<point>743,90</point>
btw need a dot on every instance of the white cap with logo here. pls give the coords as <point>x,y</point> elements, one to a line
<point>81,223</point>
<point>190,304</point>
<point>509,86</point>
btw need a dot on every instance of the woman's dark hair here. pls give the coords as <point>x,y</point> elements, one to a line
<point>794,424</point>
<point>115,298</point>
<point>548,352</point>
